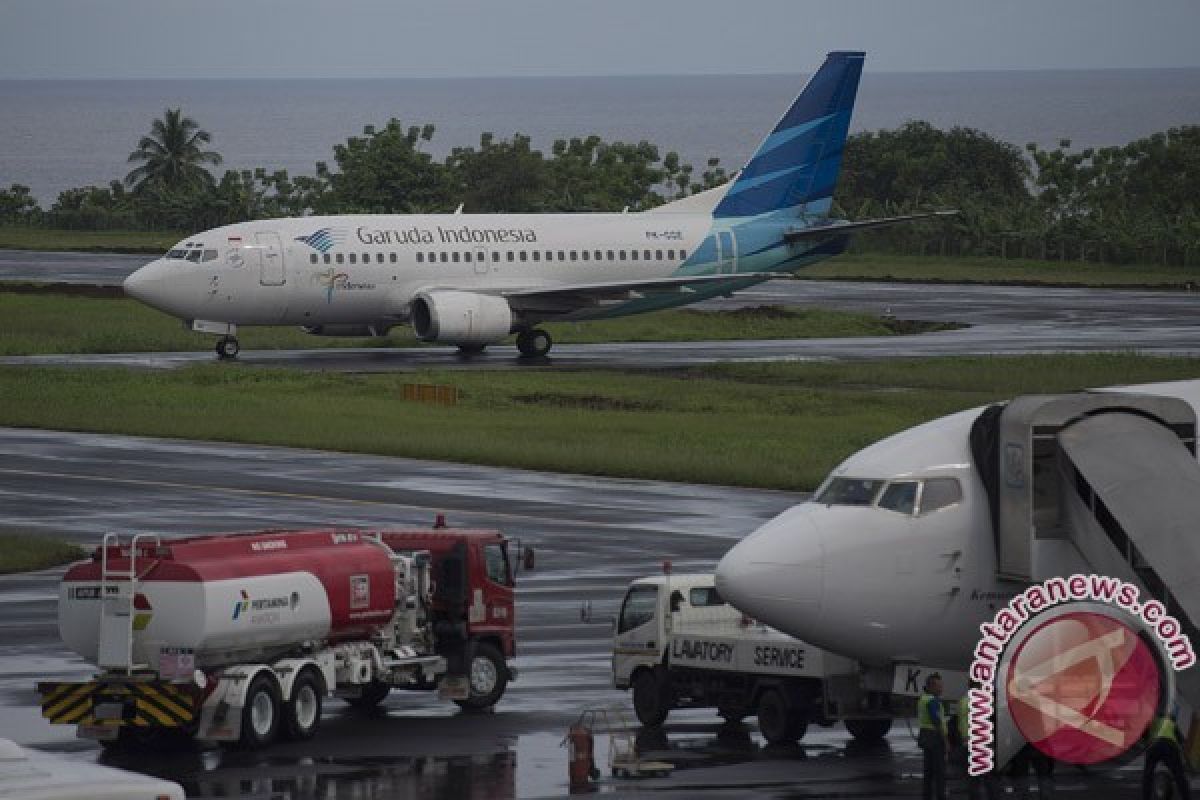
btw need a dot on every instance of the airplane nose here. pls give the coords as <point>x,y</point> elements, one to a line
<point>145,284</point>
<point>777,571</point>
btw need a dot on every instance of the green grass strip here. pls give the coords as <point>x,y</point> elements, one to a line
<point>769,425</point>
<point>25,552</point>
<point>15,237</point>
<point>1000,271</point>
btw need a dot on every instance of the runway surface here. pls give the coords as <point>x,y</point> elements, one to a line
<point>96,269</point>
<point>592,536</point>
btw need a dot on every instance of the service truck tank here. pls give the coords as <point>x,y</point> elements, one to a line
<point>235,598</point>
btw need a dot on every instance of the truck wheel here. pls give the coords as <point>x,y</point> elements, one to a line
<point>302,716</point>
<point>776,721</point>
<point>649,699</point>
<point>487,678</point>
<point>372,695</point>
<point>260,714</point>
<point>868,730</point>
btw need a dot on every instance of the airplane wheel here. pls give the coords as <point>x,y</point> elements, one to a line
<point>228,347</point>
<point>534,343</point>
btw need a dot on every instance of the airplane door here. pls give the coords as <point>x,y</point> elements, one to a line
<point>726,252</point>
<point>481,264</point>
<point>270,252</point>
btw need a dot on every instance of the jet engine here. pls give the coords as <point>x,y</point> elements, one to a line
<point>461,318</point>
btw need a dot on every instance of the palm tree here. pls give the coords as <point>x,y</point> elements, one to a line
<point>171,156</point>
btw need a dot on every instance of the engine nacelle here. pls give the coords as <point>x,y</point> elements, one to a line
<point>462,318</point>
<point>346,330</point>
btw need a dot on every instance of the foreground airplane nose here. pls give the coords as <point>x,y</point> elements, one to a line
<point>777,571</point>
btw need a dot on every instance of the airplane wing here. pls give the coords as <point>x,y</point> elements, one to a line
<point>836,228</point>
<point>565,298</point>
<point>673,283</point>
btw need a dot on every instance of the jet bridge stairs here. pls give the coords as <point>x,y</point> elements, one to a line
<point>1111,477</point>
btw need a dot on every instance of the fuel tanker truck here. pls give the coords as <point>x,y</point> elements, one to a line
<point>239,638</point>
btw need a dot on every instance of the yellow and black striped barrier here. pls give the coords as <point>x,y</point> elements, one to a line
<point>145,704</point>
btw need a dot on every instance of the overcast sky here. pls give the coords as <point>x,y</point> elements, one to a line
<point>436,38</point>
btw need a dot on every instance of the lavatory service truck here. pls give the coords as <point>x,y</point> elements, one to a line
<point>678,644</point>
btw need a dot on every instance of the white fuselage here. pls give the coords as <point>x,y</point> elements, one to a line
<point>367,268</point>
<point>882,586</point>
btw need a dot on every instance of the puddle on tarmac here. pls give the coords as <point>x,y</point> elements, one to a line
<point>526,765</point>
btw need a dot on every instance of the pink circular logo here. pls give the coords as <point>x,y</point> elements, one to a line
<point>1083,687</point>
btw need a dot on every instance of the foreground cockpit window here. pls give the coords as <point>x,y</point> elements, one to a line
<point>900,496</point>
<point>177,253</point>
<point>849,492</point>
<point>940,493</point>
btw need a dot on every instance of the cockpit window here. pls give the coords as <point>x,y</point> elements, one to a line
<point>210,255</point>
<point>193,255</point>
<point>900,496</point>
<point>940,493</point>
<point>177,253</point>
<point>849,492</point>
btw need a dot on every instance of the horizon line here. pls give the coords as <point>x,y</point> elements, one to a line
<point>580,76</point>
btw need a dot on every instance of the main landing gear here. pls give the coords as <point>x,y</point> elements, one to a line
<point>227,348</point>
<point>534,343</point>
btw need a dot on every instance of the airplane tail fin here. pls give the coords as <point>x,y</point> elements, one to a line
<point>796,168</point>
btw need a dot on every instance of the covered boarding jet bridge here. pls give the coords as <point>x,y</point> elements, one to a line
<point>913,542</point>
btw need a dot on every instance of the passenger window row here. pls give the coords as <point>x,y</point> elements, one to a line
<point>456,257</point>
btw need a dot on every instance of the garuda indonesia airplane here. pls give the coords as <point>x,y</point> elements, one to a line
<point>473,279</point>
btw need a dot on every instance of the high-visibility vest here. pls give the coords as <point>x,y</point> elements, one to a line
<point>964,717</point>
<point>1165,728</point>
<point>925,719</point>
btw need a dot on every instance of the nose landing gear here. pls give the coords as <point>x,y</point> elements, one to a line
<point>534,343</point>
<point>227,348</point>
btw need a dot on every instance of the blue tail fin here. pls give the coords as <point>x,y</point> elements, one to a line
<point>796,168</point>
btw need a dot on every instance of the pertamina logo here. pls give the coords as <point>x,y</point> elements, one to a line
<point>1083,687</point>
<point>240,607</point>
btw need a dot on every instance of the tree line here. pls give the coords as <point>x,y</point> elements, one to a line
<point>1134,203</point>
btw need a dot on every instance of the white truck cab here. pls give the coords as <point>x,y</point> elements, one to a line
<point>678,644</point>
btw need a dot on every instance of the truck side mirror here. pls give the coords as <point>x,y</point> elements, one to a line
<point>528,558</point>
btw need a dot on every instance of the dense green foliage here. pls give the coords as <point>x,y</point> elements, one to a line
<point>775,425</point>
<point>1136,203</point>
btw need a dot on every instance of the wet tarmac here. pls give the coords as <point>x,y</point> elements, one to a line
<point>96,269</point>
<point>592,536</point>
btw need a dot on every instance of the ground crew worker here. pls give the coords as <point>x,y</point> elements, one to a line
<point>932,739</point>
<point>1166,746</point>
